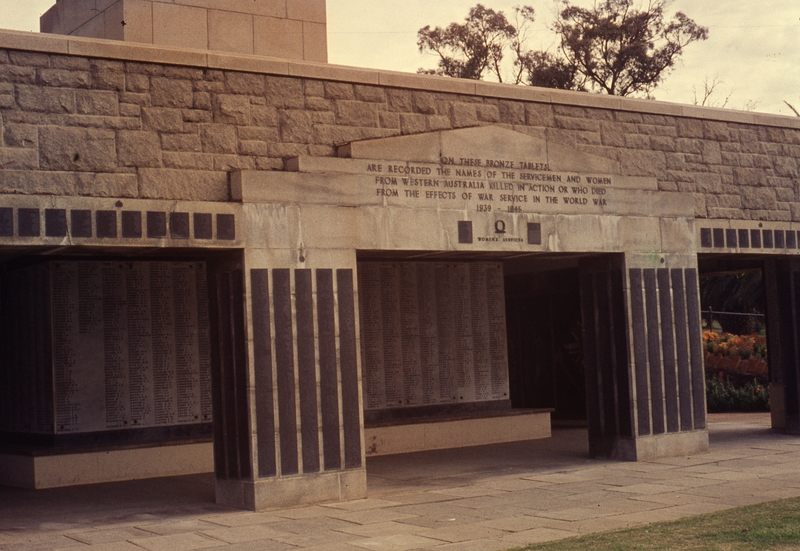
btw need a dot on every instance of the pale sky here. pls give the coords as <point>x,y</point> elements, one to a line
<point>753,46</point>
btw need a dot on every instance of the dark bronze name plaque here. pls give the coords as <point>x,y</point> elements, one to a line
<point>432,333</point>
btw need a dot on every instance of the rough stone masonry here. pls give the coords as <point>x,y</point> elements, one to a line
<point>260,170</point>
<point>78,125</point>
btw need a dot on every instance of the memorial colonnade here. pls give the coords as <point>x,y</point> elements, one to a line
<point>335,262</point>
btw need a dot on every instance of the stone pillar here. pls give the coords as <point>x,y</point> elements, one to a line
<point>290,430</point>
<point>643,356</point>
<point>782,287</point>
<point>229,380</point>
<point>608,398</point>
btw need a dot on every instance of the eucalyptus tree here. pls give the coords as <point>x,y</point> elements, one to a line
<point>617,47</point>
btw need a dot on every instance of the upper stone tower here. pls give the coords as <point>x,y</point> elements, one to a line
<point>289,29</point>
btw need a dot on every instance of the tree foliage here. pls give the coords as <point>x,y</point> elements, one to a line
<point>617,47</point>
<point>549,71</point>
<point>623,50</point>
<point>475,47</point>
<point>741,292</point>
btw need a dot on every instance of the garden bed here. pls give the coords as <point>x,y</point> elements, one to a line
<point>737,373</point>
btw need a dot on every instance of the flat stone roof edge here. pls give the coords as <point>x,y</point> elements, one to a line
<point>148,53</point>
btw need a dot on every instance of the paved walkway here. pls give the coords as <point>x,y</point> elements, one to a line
<point>448,500</point>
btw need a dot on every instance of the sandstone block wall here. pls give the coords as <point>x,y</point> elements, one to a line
<point>289,29</point>
<point>84,126</point>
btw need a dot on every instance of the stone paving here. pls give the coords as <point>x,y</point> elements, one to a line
<point>444,500</point>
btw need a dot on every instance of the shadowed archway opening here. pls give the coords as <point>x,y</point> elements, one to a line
<point>412,348</point>
<point>111,361</point>
<point>739,343</point>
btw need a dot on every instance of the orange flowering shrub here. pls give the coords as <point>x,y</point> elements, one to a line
<point>728,344</point>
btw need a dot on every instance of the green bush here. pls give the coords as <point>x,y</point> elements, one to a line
<point>722,396</point>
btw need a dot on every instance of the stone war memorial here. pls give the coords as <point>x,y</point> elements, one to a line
<point>220,253</point>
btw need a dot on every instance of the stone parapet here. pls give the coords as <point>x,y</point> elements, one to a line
<point>161,122</point>
<point>111,49</point>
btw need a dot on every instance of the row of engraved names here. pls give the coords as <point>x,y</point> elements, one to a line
<point>433,333</point>
<point>153,345</point>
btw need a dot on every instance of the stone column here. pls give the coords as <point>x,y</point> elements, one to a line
<point>605,348</point>
<point>643,356</point>
<point>298,429</point>
<point>229,380</point>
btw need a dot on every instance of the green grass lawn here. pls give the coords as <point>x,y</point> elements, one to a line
<point>773,525</point>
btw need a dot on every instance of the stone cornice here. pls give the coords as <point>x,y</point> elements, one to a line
<point>127,51</point>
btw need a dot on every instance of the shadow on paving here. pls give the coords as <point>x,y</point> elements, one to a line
<point>137,501</point>
<point>192,496</point>
<point>742,429</point>
<point>185,497</point>
<point>567,449</point>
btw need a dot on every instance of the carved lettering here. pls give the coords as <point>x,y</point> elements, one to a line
<point>534,166</point>
<point>514,198</point>
<point>469,173</point>
<point>473,183</point>
<point>498,163</point>
<point>440,195</point>
<point>420,182</point>
<point>539,177</point>
<point>402,169</point>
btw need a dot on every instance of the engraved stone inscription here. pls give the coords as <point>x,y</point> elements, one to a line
<point>489,186</point>
<point>432,333</point>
